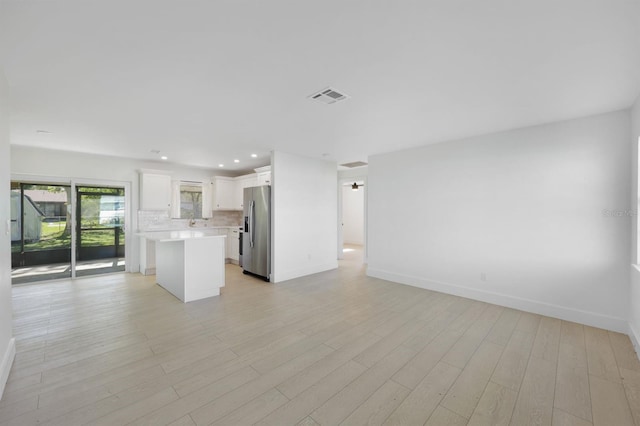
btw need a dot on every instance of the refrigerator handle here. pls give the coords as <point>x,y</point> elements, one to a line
<point>251,222</point>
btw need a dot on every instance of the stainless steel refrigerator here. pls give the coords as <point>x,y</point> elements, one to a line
<point>256,240</point>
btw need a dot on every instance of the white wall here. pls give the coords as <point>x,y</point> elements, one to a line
<point>35,162</point>
<point>7,343</point>
<point>634,290</point>
<point>45,162</point>
<point>540,211</point>
<point>353,215</point>
<point>354,173</point>
<point>304,216</point>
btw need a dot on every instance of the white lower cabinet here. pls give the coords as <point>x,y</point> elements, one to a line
<point>233,245</point>
<point>147,256</point>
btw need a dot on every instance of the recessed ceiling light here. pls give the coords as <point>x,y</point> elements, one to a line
<point>254,155</point>
<point>236,161</point>
<point>155,151</point>
<point>220,165</point>
<point>45,132</point>
<point>164,157</point>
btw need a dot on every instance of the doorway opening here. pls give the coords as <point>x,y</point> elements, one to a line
<point>352,235</point>
<point>50,222</point>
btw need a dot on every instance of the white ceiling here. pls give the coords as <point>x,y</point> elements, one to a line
<point>205,82</point>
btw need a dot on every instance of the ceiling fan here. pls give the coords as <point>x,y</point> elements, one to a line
<point>355,186</point>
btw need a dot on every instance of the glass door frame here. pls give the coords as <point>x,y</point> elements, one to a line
<point>34,257</point>
<point>74,183</point>
<point>116,228</point>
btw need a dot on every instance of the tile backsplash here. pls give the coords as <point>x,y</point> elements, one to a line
<point>230,218</point>
<point>149,220</point>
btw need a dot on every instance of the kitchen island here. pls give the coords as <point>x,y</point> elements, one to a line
<point>189,263</point>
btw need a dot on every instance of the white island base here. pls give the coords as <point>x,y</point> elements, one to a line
<point>190,266</point>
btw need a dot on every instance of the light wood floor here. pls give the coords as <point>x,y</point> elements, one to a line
<point>333,348</point>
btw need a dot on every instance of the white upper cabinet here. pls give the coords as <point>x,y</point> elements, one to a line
<point>207,200</point>
<point>243,182</point>
<point>263,175</point>
<point>224,193</point>
<point>155,191</point>
<point>228,192</point>
<point>264,178</point>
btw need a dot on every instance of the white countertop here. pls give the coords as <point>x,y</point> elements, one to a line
<point>177,235</point>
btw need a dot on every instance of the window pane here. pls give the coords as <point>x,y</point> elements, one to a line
<point>45,207</point>
<point>190,202</point>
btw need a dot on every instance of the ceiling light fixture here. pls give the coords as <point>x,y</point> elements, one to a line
<point>254,155</point>
<point>220,165</point>
<point>164,157</point>
<point>236,161</point>
<point>43,132</point>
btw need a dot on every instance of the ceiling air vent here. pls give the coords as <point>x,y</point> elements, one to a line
<point>354,164</point>
<point>328,96</point>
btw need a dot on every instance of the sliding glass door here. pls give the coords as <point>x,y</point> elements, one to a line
<point>40,232</point>
<point>100,230</point>
<point>43,231</point>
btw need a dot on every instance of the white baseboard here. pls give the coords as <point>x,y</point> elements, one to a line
<point>633,336</point>
<point>149,271</point>
<point>7,362</point>
<point>537,307</point>
<point>295,273</point>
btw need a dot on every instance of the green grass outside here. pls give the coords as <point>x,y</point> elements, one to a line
<point>51,229</point>
<point>52,237</point>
